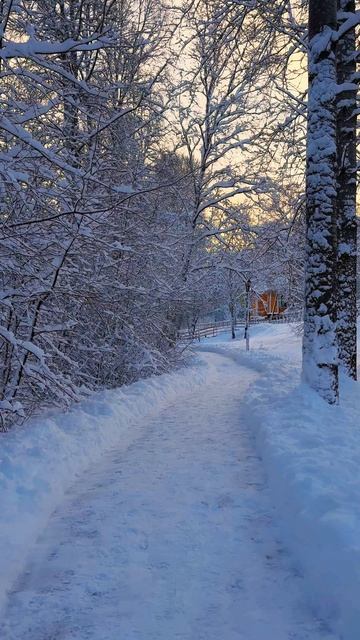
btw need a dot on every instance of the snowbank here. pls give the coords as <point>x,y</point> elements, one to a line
<point>312,457</point>
<point>40,461</point>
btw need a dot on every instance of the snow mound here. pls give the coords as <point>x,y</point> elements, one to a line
<point>42,459</point>
<point>311,452</point>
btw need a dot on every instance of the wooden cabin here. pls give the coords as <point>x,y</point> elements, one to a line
<point>268,304</point>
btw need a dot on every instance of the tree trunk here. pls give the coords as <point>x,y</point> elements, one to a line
<point>232,309</point>
<point>320,359</point>
<point>347,227</point>
<point>247,315</point>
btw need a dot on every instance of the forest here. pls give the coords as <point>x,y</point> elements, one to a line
<point>152,162</point>
<point>179,404</point>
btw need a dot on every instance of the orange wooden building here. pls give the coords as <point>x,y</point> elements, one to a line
<point>267,304</point>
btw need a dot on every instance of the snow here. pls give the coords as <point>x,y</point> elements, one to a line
<point>33,47</point>
<point>221,501</point>
<point>352,21</point>
<point>319,343</point>
<point>311,453</point>
<point>172,537</point>
<point>41,460</point>
<point>25,344</point>
<point>125,188</point>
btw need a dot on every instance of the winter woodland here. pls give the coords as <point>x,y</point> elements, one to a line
<point>152,163</point>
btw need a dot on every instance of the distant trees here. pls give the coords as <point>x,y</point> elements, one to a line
<point>110,211</point>
<point>151,161</point>
<point>85,248</point>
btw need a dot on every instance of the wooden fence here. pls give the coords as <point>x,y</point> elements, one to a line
<point>210,330</point>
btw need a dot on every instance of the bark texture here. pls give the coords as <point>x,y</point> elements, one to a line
<point>320,360</point>
<point>347,226</point>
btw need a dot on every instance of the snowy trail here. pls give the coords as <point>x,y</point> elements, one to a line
<point>172,539</point>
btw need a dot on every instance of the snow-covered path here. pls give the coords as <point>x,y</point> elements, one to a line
<point>172,539</point>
